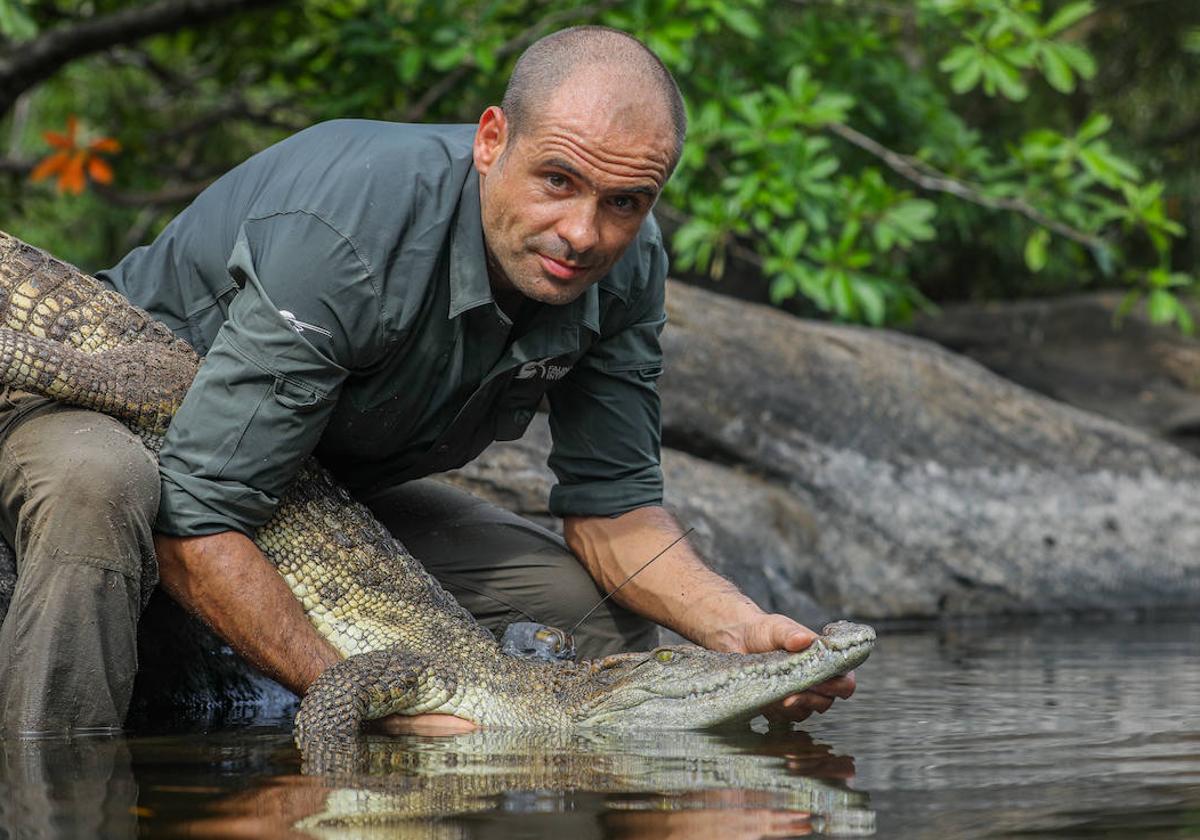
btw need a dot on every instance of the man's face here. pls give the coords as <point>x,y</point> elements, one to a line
<point>562,201</point>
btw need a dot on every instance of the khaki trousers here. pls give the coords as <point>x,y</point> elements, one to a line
<point>78,498</point>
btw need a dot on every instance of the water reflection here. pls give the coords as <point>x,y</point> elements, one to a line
<point>252,783</point>
<point>641,785</point>
<point>58,787</point>
<point>1049,730</point>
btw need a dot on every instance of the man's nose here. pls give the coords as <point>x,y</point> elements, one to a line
<point>578,228</point>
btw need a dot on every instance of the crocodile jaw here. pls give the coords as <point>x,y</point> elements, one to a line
<point>692,688</point>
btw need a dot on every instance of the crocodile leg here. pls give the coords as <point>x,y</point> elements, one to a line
<point>364,687</point>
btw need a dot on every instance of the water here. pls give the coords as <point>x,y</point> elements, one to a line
<point>1047,730</point>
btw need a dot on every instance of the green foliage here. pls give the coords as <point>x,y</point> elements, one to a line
<point>15,22</point>
<point>855,153</point>
<point>767,169</point>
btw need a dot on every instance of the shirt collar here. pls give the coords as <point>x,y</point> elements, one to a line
<point>469,286</point>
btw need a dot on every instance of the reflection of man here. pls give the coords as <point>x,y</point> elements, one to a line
<point>393,298</point>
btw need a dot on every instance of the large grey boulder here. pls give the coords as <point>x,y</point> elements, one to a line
<point>916,482</point>
<point>1074,350</point>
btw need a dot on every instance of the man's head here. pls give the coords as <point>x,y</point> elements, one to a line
<point>590,129</point>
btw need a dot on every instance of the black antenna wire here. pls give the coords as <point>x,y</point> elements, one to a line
<point>631,577</point>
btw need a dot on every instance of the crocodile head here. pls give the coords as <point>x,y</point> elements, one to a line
<point>684,687</point>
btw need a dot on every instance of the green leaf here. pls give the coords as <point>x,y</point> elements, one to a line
<point>1008,79</point>
<point>741,21</point>
<point>1184,318</point>
<point>1094,126</point>
<point>850,233</point>
<point>446,59</point>
<point>1035,249</point>
<point>15,23</point>
<point>1191,41</point>
<point>843,295</point>
<point>485,57</point>
<point>1081,60</point>
<point>410,63</point>
<point>1161,306</point>
<point>1105,258</point>
<point>822,168</point>
<point>782,288</point>
<point>958,58</point>
<point>874,306</point>
<point>966,77</point>
<point>911,220</point>
<point>1107,167</point>
<point>1066,16</point>
<point>1057,71</point>
<point>794,239</point>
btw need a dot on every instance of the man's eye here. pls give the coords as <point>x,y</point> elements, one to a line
<point>557,181</point>
<point>625,203</point>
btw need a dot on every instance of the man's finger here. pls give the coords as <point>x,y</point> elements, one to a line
<point>783,633</point>
<point>842,686</point>
<point>807,701</point>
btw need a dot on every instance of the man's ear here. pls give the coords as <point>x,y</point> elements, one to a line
<point>491,136</point>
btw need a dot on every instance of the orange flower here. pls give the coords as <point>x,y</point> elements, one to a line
<point>73,164</point>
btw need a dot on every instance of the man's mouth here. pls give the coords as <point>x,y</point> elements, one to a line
<point>561,270</point>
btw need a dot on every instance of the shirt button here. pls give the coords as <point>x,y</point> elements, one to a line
<point>443,449</point>
<point>523,416</point>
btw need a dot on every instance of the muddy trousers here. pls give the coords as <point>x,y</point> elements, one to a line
<point>78,497</point>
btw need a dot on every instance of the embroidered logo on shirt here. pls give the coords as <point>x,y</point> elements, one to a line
<point>300,326</point>
<point>542,369</point>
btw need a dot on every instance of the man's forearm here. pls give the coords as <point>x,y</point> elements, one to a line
<point>226,581</point>
<point>677,590</point>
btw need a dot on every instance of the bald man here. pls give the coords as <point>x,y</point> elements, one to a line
<point>393,298</point>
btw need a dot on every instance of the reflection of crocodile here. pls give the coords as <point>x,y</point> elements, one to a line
<point>413,648</point>
<point>416,788</point>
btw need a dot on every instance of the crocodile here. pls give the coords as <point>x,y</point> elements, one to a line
<point>410,648</point>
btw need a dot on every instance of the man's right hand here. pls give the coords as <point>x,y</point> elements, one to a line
<point>225,580</point>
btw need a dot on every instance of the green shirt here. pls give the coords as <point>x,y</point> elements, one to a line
<point>337,285</point>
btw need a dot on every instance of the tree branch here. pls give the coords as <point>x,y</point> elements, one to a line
<point>171,194</point>
<point>24,65</point>
<point>10,166</point>
<point>928,178</point>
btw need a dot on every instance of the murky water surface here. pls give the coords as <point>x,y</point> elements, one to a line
<point>978,731</point>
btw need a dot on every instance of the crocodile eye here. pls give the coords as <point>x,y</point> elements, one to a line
<point>664,655</point>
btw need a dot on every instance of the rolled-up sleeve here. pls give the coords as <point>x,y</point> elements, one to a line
<point>605,417</point>
<point>304,316</point>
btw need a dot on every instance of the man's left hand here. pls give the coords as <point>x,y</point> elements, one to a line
<point>778,632</point>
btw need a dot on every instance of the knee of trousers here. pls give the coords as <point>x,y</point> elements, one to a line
<point>98,504</point>
<point>610,628</point>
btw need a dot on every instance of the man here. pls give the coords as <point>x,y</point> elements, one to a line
<point>394,298</point>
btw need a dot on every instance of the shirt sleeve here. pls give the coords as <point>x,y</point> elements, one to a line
<point>306,315</point>
<point>605,417</point>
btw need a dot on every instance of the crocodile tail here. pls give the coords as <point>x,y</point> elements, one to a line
<point>140,385</point>
<point>43,296</point>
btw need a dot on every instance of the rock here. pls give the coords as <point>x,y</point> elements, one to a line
<point>1070,349</point>
<point>926,485</point>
